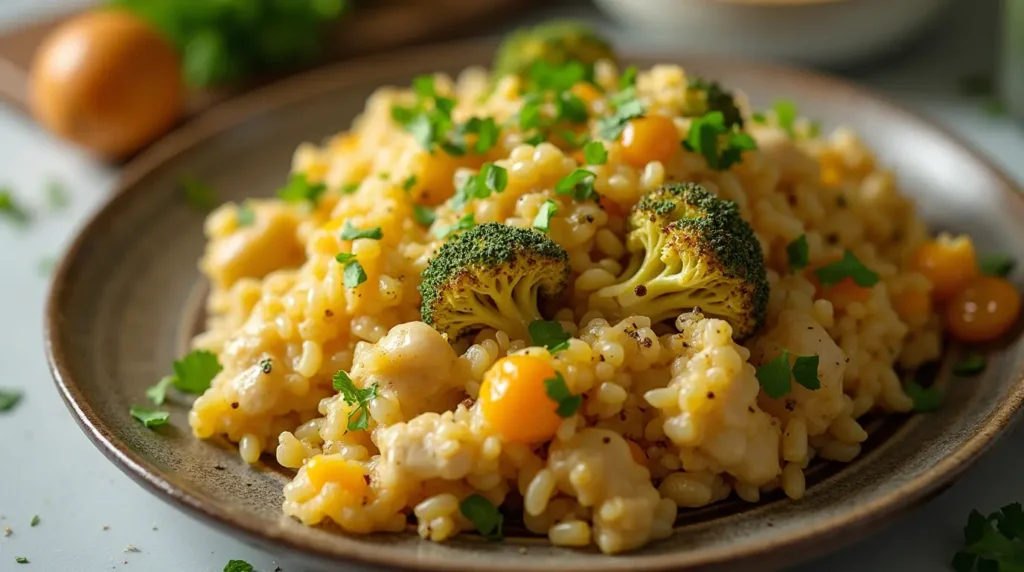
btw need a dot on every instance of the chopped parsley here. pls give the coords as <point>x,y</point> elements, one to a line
<point>846,267</point>
<point>299,189</point>
<point>992,543</point>
<point>485,516</point>
<point>549,334</point>
<point>424,215</point>
<point>798,253</point>
<point>970,364</point>
<point>721,146</point>
<point>423,86</point>
<point>57,195</point>
<point>558,391</point>
<point>465,222</point>
<point>349,188</point>
<point>785,115</point>
<point>996,264</point>
<point>9,398</point>
<point>344,257</point>
<point>570,108</point>
<point>409,183</point>
<point>628,78</point>
<point>486,131</point>
<point>579,184</point>
<point>430,121</point>
<point>925,398</point>
<point>627,107</point>
<point>149,417</point>
<point>545,76</point>
<point>354,274</point>
<point>238,566</point>
<point>595,153</point>
<point>359,417</point>
<point>11,210</point>
<point>194,372</point>
<point>529,114</point>
<point>34,521</point>
<point>491,178</point>
<point>198,195</point>
<point>543,219</point>
<point>245,216</point>
<point>349,232</point>
<point>574,140</point>
<point>21,560</point>
<point>775,376</point>
<point>758,117</point>
<point>158,393</point>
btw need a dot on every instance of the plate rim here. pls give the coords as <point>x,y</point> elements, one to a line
<point>843,529</point>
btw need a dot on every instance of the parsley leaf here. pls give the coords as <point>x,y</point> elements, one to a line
<point>245,216</point>
<point>558,391</point>
<point>574,140</point>
<point>466,222</point>
<point>549,334</point>
<point>595,153</point>
<point>148,417</point>
<point>353,275</point>
<point>846,267</point>
<point>579,184</point>
<point>238,566</point>
<point>797,251</point>
<point>758,117</point>
<point>423,86</point>
<point>495,177</point>
<point>491,178</point>
<point>627,107</point>
<point>349,232</point>
<point>486,131</point>
<point>9,398</point>
<point>545,76</point>
<point>344,257</point>
<point>484,515</point>
<point>705,137</point>
<point>10,209</point>
<point>35,521</point>
<point>299,189</point>
<point>529,113</point>
<point>21,560</point>
<point>996,264</point>
<point>423,215</point>
<point>570,108</point>
<point>970,364</point>
<point>925,399</point>
<point>992,543</point>
<point>198,195</point>
<point>409,183</point>
<point>194,372</point>
<point>158,393</point>
<point>349,188</point>
<point>628,78</point>
<point>805,371</point>
<point>775,375</point>
<point>785,115</point>
<point>358,418</point>
<point>543,219</point>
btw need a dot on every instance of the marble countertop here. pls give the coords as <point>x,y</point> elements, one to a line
<point>90,513</point>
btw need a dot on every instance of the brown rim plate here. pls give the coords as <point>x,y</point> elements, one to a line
<point>123,297</point>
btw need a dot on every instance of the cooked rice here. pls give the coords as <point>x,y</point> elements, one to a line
<point>278,293</point>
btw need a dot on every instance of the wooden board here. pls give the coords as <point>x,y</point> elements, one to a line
<point>379,27</point>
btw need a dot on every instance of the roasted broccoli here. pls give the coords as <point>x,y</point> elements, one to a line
<point>556,42</point>
<point>492,276</point>
<point>690,249</point>
<point>703,96</point>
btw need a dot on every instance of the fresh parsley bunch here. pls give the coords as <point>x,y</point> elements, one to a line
<point>229,40</point>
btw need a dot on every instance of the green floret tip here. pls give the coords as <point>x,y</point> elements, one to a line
<point>492,276</point>
<point>556,42</point>
<point>705,96</point>
<point>690,249</point>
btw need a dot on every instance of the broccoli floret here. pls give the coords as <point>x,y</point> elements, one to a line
<point>492,276</point>
<point>704,96</point>
<point>556,42</point>
<point>690,249</point>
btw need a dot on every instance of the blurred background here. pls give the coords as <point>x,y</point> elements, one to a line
<point>960,62</point>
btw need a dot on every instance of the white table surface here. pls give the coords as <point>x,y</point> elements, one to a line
<point>91,513</point>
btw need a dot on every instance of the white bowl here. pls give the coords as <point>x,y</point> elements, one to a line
<point>818,32</point>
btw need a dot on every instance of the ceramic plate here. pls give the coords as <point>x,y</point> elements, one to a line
<point>128,295</point>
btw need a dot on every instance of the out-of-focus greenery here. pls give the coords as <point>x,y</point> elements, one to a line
<point>228,40</point>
